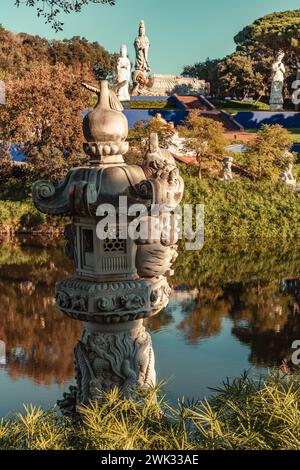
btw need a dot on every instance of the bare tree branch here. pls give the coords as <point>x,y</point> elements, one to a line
<point>51,9</point>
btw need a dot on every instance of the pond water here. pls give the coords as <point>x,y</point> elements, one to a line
<point>231,310</point>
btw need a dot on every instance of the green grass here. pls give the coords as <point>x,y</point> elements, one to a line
<point>22,215</point>
<point>245,210</point>
<point>235,106</point>
<point>149,104</point>
<point>243,414</point>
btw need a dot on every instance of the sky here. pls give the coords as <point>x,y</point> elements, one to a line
<point>181,32</point>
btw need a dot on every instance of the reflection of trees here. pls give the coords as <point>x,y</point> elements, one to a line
<point>205,319</point>
<point>262,307</point>
<point>39,339</point>
<point>269,321</point>
<point>219,264</point>
<point>245,287</point>
<point>157,322</point>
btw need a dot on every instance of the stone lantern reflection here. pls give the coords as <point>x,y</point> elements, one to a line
<point>119,280</point>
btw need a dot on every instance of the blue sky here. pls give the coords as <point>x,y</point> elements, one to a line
<point>180,31</point>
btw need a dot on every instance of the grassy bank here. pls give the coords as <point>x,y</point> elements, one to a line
<point>243,414</point>
<point>240,211</point>
<point>245,210</point>
<point>235,106</point>
<point>18,216</point>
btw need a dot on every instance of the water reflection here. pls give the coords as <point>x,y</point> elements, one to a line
<point>251,299</point>
<point>39,340</point>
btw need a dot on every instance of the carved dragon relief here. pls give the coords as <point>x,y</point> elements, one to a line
<point>108,360</point>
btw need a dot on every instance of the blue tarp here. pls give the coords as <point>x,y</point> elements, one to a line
<point>255,119</point>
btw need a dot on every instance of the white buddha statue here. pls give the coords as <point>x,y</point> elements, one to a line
<point>124,68</point>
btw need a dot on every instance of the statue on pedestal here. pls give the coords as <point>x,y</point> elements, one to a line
<point>124,68</point>
<point>287,175</point>
<point>276,97</point>
<point>141,45</point>
<point>227,170</point>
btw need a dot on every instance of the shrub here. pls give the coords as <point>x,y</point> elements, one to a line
<point>243,414</point>
<point>245,210</point>
<point>32,219</point>
<point>267,155</point>
<point>15,215</point>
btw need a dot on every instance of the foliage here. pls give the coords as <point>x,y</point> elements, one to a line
<point>204,137</point>
<point>278,30</point>
<point>43,116</point>
<point>19,51</point>
<point>268,154</point>
<point>17,215</point>
<point>245,413</point>
<point>139,134</point>
<point>50,9</point>
<point>238,77</point>
<point>247,71</point>
<point>245,210</point>
<point>208,71</point>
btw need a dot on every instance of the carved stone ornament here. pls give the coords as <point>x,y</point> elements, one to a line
<point>114,358</point>
<point>119,281</point>
<point>112,302</point>
<point>227,169</point>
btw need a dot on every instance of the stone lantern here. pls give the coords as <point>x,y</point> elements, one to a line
<point>119,280</point>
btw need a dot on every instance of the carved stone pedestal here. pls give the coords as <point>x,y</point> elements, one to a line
<point>109,356</point>
<point>113,356</point>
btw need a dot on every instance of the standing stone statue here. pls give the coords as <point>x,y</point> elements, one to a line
<point>227,170</point>
<point>287,175</point>
<point>141,68</point>
<point>124,68</point>
<point>142,45</point>
<point>276,97</point>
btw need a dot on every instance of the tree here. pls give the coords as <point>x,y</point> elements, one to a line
<point>140,133</point>
<point>43,116</point>
<point>19,51</point>
<point>204,137</point>
<point>268,154</point>
<point>263,38</point>
<point>237,77</point>
<point>51,9</point>
<point>207,71</point>
<point>279,30</point>
<point>257,45</point>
